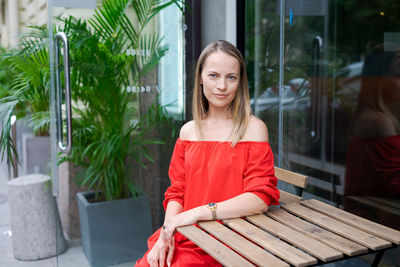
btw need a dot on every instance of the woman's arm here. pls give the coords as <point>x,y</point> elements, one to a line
<point>239,206</point>
<point>173,208</point>
<point>242,205</point>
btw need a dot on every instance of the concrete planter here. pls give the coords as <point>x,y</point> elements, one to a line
<point>67,199</point>
<point>34,218</point>
<point>114,231</point>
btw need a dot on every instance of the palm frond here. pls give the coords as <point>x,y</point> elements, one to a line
<point>111,19</point>
<point>147,9</point>
<point>40,121</point>
<point>7,146</point>
<point>34,40</point>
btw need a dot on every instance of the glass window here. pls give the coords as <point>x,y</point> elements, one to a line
<point>340,97</point>
<point>171,68</point>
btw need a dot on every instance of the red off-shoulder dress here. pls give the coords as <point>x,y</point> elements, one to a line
<point>214,171</point>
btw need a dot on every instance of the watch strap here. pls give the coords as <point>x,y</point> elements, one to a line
<point>213,208</point>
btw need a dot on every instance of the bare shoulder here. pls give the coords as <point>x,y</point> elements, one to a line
<point>188,131</point>
<point>374,124</point>
<point>256,130</point>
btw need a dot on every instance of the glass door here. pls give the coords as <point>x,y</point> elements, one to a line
<point>111,63</point>
<point>341,125</point>
<point>64,188</point>
<point>309,142</point>
<point>327,89</point>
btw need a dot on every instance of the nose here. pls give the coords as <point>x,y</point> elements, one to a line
<point>221,84</point>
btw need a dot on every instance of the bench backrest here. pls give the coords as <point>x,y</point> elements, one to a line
<point>290,177</point>
<point>293,178</point>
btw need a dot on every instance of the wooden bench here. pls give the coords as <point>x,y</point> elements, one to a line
<point>299,232</point>
<point>293,178</point>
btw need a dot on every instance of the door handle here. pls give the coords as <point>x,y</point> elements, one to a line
<point>63,146</point>
<point>316,93</point>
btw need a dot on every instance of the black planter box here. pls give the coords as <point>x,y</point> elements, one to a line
<point>114,231</point>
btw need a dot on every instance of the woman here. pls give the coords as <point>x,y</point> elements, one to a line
<point>222,165</point>
<point>373,156</point>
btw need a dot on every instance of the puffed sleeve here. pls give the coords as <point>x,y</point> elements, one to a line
<point>176,173</point>
<point>259,176</point>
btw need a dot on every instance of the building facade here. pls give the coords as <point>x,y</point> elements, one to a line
<point>16,15</point>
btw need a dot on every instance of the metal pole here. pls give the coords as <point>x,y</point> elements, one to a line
<point>257,55</point>
<point>281,77</point>
<point>53,132</point>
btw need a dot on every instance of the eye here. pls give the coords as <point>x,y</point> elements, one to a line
<point>212,75</point>
<point>232,77</point>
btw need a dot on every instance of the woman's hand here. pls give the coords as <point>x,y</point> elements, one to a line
<point>161,252</point>
<point>185,218</point>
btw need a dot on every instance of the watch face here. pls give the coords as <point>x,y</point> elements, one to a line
<point>212,205</point>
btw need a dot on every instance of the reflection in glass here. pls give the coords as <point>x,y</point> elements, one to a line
<point>372,181</point>
<point>373,156</point>
<point>324,55</point>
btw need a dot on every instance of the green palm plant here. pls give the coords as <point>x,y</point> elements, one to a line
<point>104,135</point>
<point>27,91</point>
<point>6,74</point>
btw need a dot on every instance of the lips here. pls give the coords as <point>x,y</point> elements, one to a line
<point>220,95</point>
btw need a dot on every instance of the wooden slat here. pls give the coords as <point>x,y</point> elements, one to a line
<point>241,245</point>
<point>213,247</point>
<point>286,197</point>
<point>338,242</point>
<point>310,245</point>
<point>355,221</point>
<point>291,177</point>
<point>274,245</point>
<point>378,205</point>
<point>338,227</point>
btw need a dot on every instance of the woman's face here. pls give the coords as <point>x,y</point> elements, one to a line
<point>220,79</point>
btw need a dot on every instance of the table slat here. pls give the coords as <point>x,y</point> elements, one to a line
<point>355,221</point>
<point>271,243</point>
<point>241,245</point>
<point>338,242</point>
<point>338,227</point>
<point>310,245</point>
<point>213,247</point>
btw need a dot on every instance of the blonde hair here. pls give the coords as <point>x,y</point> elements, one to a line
<point>240,106</point>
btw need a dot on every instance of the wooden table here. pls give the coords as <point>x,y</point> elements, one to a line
<point>302,233</point>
